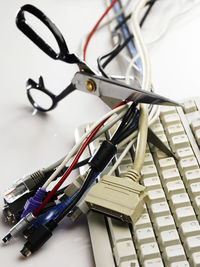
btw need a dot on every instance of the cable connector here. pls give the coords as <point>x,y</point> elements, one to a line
<point>19,227</point>
<point>37,238</point>
<point>23,186</point>
<point>33,202</point>
<point>121,198</point>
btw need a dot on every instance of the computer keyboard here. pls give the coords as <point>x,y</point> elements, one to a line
<point>168,231</point>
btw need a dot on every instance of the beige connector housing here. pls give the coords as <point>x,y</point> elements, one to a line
<point>121,198</point>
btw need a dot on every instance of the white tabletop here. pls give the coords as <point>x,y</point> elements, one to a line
<point>29,142</point>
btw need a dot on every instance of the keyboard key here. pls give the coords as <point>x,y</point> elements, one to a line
<point>174,253</point>
<point>142,222</point>
<point>180,264</point>
<point>195,125</point>
<point>153,263</point>
<point>170,175</point>
<point>157,128</point>
<point>188,164</point>
<point>192,116</point>
<point>179,141</point>
<point>159,209</point>
<point>144,235</point>
<point>166,110</point>
<point>195,259</point>
<point>190,228</point>
<point>133,263</point>
<point>152,183</point>
<point>192,244</point>
<point>119,230</point>
<point>184,214</point>
<point>168,238</point>
<point>149,171</point>
<point>194,190</point>
<point>184,152</point>
<point>197,136</point>
<point>192,176</point>
<point>170,119</point>
<point>174,187</point>
<point>149,251</point>
<point>189,106</point>
<point>164,223</point>
<point>176,129</point>
<point>124,251</point>
<point>166,164</point>
<point>179,200</point>
<point>148,160</point>
<point>155,196</point>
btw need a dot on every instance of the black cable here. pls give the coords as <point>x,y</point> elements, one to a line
<point>80,193</point>
<point>112,54</point>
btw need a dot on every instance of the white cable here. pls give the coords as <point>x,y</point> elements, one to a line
<point>76,147</point>
<point>123,154</point>
<point>170,22</point>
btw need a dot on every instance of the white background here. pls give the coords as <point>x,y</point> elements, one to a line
<point>29,142</point>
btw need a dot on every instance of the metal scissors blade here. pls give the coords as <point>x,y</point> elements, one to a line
<point>110,89</point>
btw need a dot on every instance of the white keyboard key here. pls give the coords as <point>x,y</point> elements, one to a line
<point>170,175</point>
<point>192,116</point>
<point>166,164</point>
<point>123,168</point>
<point>176,129</point>
<point>174,187</point>
<point>194,190</point>
<point>180,264</point>
<point>124,251</point>
<point>195,259</point>
<point>158,154</point>
<point>163,138</point>
<point>192,244</point>
<point>155,196</point>
<point>126,160</point>
<point>159,209</point>
<point>184,152</point>
<point>164,223</point>
<point>170,119</point>
<point>197,136</point>
<point>157,128</point>
<point>174,253</point>
<point>153,263</point>
<point>119,230</point>
<point>184,214</point>
<point>142,222</point>
<point>179,141</point>
<point>149,171</point>
<point>189,106</point>
<point>152,183</point>
<point>195,125</point>
<point>144,235</point>
<point>165,110</point>
<point>190,228</point>
<point>179,200</point>
<point>168,238</point>
<point>149,251</point>
<point>148,160</point>
<point>192,176</point>
<point>197,204</point>
<point>133,263</point>
<point>188,164</point>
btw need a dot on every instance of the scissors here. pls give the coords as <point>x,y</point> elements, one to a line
<point>86,79</point>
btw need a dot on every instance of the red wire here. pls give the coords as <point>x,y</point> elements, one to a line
<point>66,174</point>
<point>95,27</point>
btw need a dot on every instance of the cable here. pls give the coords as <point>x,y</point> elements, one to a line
<point>95,27</point>
<point>76,147</point>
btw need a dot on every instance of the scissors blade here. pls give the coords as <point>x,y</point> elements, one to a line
<point>107,88</point>
<point>156,141</point>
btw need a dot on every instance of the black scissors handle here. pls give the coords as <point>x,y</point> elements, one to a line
<point>23,25</point>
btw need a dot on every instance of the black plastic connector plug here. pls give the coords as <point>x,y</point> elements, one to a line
<point>38,238</point>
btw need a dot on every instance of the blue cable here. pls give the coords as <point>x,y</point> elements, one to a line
<point>126,34</point>
<point>56,210</point>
